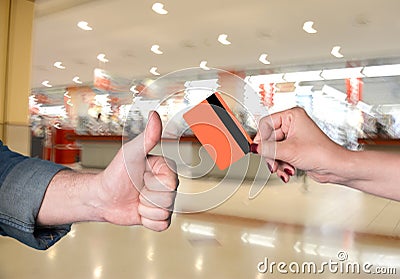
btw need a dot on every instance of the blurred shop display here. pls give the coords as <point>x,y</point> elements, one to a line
<point>66,121</point>
<point>387,124</point>
<point>343,116</point>
<point>59,116</point>
<point>60,145</point>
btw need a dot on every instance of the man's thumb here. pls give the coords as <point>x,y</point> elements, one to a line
<point>152,133</point>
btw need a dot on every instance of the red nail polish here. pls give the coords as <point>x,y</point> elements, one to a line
<point>288,171</point>
<point>253,148</point>
<point>269,167</point>
<point>283,178</point>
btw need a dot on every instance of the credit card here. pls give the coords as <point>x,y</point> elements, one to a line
<point>218,130</point>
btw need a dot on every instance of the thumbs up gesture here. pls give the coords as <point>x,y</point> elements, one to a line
<point>137,188</point>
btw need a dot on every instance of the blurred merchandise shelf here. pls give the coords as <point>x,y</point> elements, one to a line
<point>379,141</point>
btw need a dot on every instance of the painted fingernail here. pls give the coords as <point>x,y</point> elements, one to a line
<point>253,148</point>
<point>288,171</point>
<point>270,168</point>
<point>283,178</point>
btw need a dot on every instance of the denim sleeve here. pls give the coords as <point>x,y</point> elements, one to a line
<point>23,183</point>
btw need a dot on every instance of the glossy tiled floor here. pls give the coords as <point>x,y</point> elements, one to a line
<point>285,223</point>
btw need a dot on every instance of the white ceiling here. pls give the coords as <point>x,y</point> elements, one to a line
<point>126,29</point>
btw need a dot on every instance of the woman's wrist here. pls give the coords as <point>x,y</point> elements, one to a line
<point>368,171</point>
<point>374,172</point>
<point>343,168</point>
<point>355,169</point>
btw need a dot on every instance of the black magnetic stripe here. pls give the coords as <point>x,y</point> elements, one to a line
<point>229,123</point>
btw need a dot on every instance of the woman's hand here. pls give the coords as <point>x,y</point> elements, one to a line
<point>290,139</point>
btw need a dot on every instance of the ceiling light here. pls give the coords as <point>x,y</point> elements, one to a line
<point>203,65</point>
<point>223,39</point>
<point>84,26</point>
<point>159,8</point>
<point>59,65</point>
<point>342,73</point>
<point>153,71</point>
<point>303,76</point>
<point>263,59</point>
<point>133,89</point>
<point>102,58</point>
<point>308,27</point>
<point>382,71</point>
<point>47,83</point>
<point>336,52</point>
<point>76,80</point>
<point>156,49</point>
<point>330,74</point>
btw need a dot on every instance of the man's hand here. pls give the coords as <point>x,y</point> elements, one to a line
<point>135,189</point>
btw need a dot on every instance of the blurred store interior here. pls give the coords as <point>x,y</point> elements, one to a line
<point>339,62</point>
<point>98,67</point>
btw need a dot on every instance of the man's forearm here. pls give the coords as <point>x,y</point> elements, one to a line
<point>70,197</point>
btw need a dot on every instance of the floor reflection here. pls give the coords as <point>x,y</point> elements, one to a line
<point>196,246</point>
<point>326,223</point>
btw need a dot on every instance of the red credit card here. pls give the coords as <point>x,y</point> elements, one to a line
<point>218,130</point>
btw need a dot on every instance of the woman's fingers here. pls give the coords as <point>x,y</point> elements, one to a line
<point>285,171</point>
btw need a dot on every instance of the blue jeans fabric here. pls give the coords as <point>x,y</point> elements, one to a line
<point>23,183</point>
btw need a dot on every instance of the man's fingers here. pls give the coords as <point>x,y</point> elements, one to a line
<point>157,226</point>
<point>163,200</point>
<point>154,218</point>
<point>159,190</point>
<point>161,182</point>
<point>161,165</point>
<point>140,146</point>
<point>153,213</point>
<point>152,132</point>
